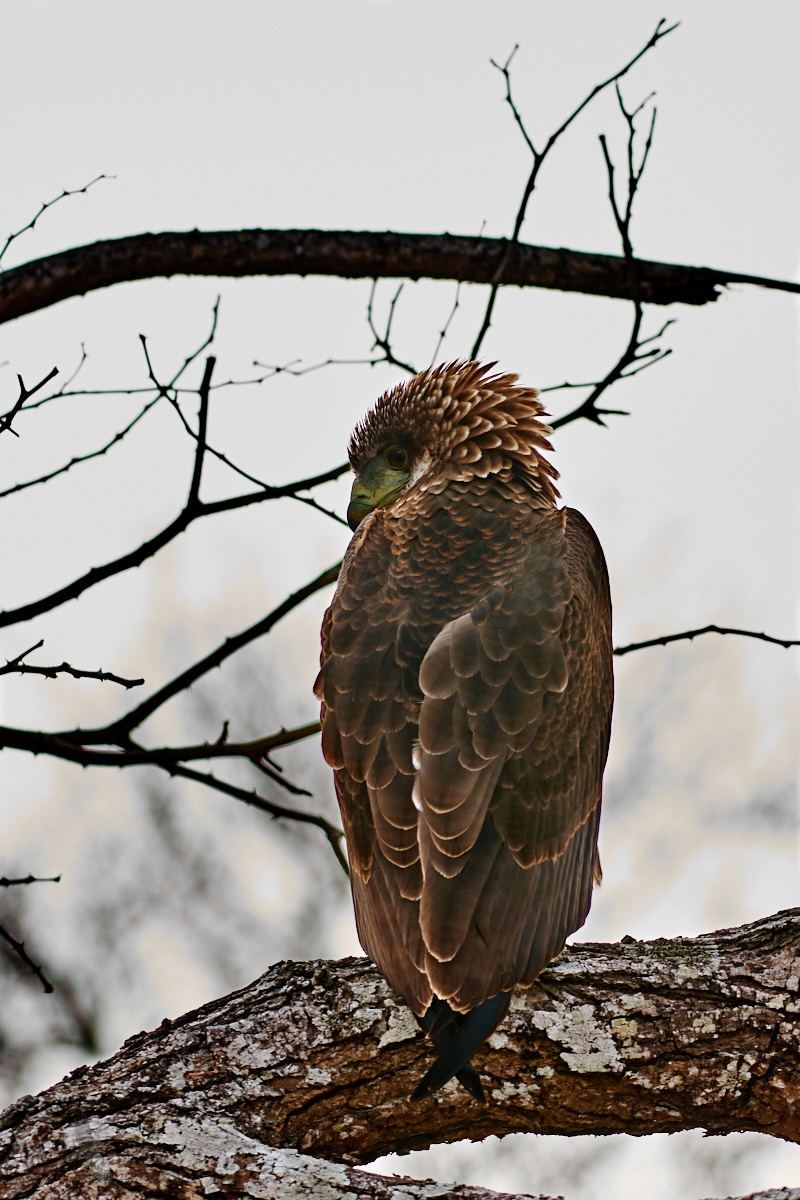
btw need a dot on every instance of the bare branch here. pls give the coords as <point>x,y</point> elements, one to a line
<point>383,342</point>
<point>444,330</point>
<point>348,255</point>
<point>6,883</point>
<point>73,747</point>
<point>690,634</point>
<point>538,160</point>
<point>21,952</point>
<point>635,357</point>
<point>82,458</point>
<point>132,720</point>
<point>147,549</point>
<point>16,666</point>
<point>72,744</point>
<point>277,811</point>
<point>193,501</point>
<point>321,1058</point>
<point>12,237</point>
<point>24,394</point>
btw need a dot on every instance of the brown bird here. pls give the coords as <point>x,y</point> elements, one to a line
<point>466,686</point>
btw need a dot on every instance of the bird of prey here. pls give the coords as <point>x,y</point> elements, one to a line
<point>466,687</point>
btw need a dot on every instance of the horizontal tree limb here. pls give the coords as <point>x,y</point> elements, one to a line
<point>321,1058</point>
<point>74,750</point>
<point>688,635</point>
<point>353,255</point>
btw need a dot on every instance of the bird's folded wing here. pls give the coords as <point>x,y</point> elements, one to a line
<point>513,737</point>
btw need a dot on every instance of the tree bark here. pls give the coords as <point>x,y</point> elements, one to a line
<point>319,1058</point>
<point>351,255</point>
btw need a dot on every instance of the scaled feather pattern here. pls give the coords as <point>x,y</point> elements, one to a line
<point>466,687</point>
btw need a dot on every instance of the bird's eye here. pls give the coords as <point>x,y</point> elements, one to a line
<point>397,458</point>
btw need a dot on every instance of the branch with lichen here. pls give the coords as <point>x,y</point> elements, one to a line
<point>319,1059</point>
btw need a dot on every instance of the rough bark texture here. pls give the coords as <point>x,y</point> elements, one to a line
<point>351,255</point>
<point>320,1058</point>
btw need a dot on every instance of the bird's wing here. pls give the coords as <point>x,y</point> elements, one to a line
<point>369,729</point>
<point>513,733</point>
<point>473,851</point>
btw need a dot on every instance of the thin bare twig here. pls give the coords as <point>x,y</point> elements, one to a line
<point>12,237</point>
<point>5,882</point>
<point>539,157</point>
<point>193,501</point>
<point>444,330</point>
<point>147,549</point>
<point>690,634</point>
<point>277,811</point>
<point>21,952</point>
<point>82,458</point>
<point>24,394</point>
<point>383,341</point>
<point>640,352</point>
<point>16,666</point>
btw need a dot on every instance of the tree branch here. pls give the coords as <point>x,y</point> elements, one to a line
<point>690,634</point>
<point>352,255</point>
<point>15,666</point>
<point>43,207</point>
<point>72,747</point>
<point>640,352</point>
<point>135,558</point>
<point>538,160</point>
<point>276,811</point>
<point>321,1058</point>
<point>24,394</point>
<point>22,953</point>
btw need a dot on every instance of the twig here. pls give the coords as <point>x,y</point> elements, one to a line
<point>193,502</point>
<point>132,720</point>
<point>539,158</point>
<point>16,666</point>
<point>20,951</point>
<point>62,390</point>
<point>291,368</point>
<point>147,549</point>
<point>12,237</point>
<point>383,342</point>
<point>82,458</point>
<point>72,747</point>
<point>446,326</point>
<point>24,394</point>
<point>691,634</point>
<point>5,882</point>
<point>640,352</point>
<point>276,811</point>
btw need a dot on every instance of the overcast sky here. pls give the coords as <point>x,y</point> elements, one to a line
<point>386,114</point>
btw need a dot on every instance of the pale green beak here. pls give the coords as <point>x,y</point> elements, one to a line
<point>377,486</point>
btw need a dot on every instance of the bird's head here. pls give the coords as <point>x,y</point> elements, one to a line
<point>456,421</point>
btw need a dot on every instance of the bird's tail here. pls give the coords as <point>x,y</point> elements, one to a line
<point>456,1037</point>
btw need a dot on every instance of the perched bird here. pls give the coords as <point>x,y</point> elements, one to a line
<point>466,689</point>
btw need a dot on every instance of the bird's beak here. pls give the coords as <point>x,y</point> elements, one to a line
<point>377,487</point>
<point>361,504</point>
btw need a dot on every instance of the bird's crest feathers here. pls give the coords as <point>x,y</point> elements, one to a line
<point>468,420</point>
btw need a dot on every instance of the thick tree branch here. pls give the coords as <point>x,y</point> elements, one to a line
<point>353,255</point>
<point>321,1058</point>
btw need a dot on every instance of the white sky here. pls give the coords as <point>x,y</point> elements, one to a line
<point>385,114</point>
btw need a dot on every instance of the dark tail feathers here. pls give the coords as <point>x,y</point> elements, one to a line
<point>456,1037</point>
